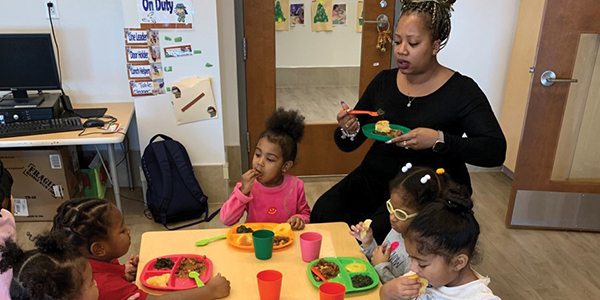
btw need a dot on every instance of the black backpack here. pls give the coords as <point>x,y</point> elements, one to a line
<point>173,193</point>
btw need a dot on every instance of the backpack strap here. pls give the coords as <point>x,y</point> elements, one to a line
<point>164,137</point>
<point>181,161</point>
<point>160,151</point>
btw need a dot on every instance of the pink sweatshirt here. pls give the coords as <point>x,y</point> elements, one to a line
<point>267,204</point>
<point>7,230</point>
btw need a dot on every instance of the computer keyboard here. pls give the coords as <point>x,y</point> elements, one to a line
<point>40,126</point>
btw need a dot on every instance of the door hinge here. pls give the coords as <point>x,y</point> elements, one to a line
<point>248,141</point>
<point>532,69</point>
<point>244,44</point>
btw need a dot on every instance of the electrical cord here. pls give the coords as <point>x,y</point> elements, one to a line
<point>49,5</point>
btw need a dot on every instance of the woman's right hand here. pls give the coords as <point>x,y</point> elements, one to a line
<point>220,286</point>
<point>401,288</point>
<point>355,231</point>
<point>248,181</point>
<point>346,120</point>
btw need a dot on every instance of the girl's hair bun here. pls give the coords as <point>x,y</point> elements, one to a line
<point>287,122</point>
<point>457,199</point>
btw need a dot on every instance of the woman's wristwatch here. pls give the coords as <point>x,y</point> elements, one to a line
<point>439,145</point>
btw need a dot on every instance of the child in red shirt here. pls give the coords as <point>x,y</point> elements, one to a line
<point>97,229</point>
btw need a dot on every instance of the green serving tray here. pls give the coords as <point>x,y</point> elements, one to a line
<point>345,277</point>
<point>369,128</point>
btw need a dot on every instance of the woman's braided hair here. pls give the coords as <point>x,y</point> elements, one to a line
<point>53,270</point>
<point>439,12</point>
<point>83,221</point>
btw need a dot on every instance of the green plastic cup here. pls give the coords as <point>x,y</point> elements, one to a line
<point>263,243</point>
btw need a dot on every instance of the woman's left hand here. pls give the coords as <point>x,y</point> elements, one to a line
<point>416,139</point>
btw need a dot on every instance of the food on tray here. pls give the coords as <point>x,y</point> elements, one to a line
<point>383,128</point>
<point>188,265</point>
<point>359,281</point>
<point>424,282</point>
<point>279,240</point>
<point>366,225</point>
<point>159,280</point>
<point>244,240</point>
<point>162,263</point>
<point>243,229</point>
<point>356,267</point>
<point>282,229</point>
<point>328,269</point>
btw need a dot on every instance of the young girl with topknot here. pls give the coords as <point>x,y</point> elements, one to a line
<point>266,192</point>
<point>441,242</point>
<point>411,190</point>
<point>53,270</point>
<point>96,228</point>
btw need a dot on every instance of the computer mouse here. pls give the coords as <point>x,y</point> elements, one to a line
<point>93,123</point>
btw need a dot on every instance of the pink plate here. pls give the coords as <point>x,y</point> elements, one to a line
<point>174,283</point>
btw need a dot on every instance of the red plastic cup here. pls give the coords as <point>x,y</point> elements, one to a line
<point>332,291</point>
<point>310,245</point>
<point>269,284</point>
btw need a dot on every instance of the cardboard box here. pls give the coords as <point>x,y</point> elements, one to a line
<point>43,179</point>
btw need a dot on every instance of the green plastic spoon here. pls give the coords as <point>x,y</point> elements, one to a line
<point>205,241</point>
<point>196,277</point>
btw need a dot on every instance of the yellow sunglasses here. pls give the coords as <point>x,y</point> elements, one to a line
<point>398,213</point>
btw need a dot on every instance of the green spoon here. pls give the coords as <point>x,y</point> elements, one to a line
<point>210,239</point>
<point>196,277</point>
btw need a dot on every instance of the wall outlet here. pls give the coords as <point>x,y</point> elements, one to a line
<point>53,9</point>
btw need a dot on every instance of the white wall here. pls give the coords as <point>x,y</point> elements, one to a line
<point>300,47</point>
<point>481,42</point>
<point>225,17</point>
<point>92,49</point>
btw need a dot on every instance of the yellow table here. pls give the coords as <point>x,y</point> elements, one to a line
<point>241,267</point>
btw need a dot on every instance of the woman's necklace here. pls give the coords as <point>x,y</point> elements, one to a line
<point>424,84</point>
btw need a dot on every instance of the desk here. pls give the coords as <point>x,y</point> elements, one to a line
<point>241,267</point>
<point>122,111</point>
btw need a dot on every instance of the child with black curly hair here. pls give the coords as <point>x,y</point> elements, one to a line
<point>441,242</point>
<point>266,192</point>
<point>97,229</point>
<point>53,270</point>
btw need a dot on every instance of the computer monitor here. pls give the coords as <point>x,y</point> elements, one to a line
<point>27,62</point>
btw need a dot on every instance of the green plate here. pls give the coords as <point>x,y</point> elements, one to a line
<point>369,128</point>
<point>345,277</point>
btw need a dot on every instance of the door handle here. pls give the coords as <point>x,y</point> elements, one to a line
<point>382,21</point>
<point>548,78</point>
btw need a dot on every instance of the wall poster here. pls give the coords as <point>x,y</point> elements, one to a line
<point>282,15</point>
<point>165,14</point>
<point>360,14</point>
<point>193,100</point>
<point>321,17</point>
<point>296,14</point>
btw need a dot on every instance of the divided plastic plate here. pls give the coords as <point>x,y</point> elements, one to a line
<point>232,236</point>
<point>345,277</point>
<point>174,283</point>
<point>369,128</point>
